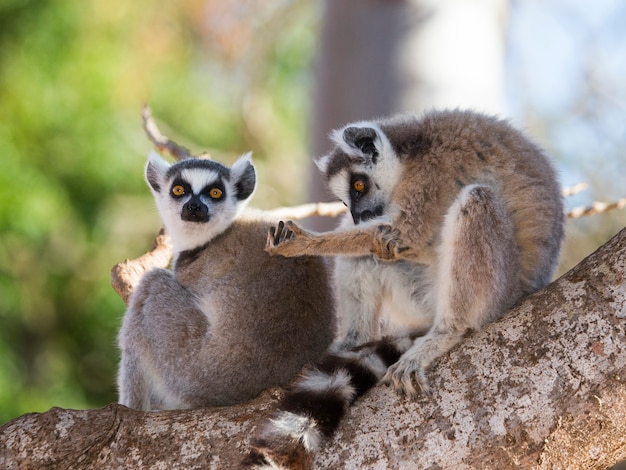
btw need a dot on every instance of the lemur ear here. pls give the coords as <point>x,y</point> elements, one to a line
<point>243,176</point>
<point>363,139</point>
<point>156,168</point>
<point>322,163</point>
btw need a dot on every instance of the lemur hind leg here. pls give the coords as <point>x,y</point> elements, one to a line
<point>476,281</point>
<point>158,336</point>
<point>133,388</point>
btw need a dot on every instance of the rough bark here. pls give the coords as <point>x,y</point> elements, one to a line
<point>126,275</point>
<point>543,388</point>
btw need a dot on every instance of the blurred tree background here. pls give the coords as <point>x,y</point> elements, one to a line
<point>74,75</point>
<point>221,76</point>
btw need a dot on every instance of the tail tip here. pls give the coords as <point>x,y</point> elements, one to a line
<point>263,456</point>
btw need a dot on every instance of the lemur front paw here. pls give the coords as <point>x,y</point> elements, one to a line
<point>387,244</point>
<point>408,378</point>
<point>286,239</point>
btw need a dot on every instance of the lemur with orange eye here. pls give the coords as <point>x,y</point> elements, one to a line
<point>453,217</point>
<point>229,320</point>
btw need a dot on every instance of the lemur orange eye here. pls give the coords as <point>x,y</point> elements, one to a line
<point>358,185</point>
<point>178,190</point>
<point>215,193</point>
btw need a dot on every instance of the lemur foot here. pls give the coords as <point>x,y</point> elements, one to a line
<point>387,244</point>
<point>287,239</point>
<point>408,378</point>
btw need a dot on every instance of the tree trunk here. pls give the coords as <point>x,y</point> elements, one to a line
<point>545,387</point>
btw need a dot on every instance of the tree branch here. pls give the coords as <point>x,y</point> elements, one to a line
<point>572,190</point>
<point>127,274</point>
<point>545,387</point>
<point>315,209</point>
<point>596,208</point>
<point>161,142</point>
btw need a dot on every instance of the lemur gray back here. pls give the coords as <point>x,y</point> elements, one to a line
<point>269,317</point>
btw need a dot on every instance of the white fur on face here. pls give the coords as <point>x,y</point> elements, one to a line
<point>189,235</point>
<point>339,186</point>
<point>384,174</point>
<point>199,179</point>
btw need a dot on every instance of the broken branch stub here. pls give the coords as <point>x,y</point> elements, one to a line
<point>162,143</point>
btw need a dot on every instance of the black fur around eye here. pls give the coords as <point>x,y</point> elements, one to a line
<point>216,192</point>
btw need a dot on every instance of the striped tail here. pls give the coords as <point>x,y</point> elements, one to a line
<point>315,404</point>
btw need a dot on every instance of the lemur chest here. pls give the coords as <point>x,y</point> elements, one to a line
<point>401,289</point>
<point>405,290</point>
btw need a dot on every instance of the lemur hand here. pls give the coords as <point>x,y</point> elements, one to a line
<point>287,239</point>
<point>387,244</point>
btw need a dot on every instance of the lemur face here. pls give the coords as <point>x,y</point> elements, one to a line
<point>197,198</point>
<point>362,170</point>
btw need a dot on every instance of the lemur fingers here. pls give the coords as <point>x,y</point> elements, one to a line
<point>281,237</point>
<point>408,378</point>
<point>388,245</point>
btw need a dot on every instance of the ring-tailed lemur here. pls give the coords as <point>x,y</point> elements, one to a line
<point>229,321</point>
<point>453,218</point>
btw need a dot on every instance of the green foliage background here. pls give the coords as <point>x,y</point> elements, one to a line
<point>223,76</point>
<point>73,77</point>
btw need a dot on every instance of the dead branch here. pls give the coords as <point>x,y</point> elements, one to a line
<point>566,192</point>
<point>593,209</point>
<point>596,208</point>
<point>127,274</point>
<point>316,209</point>
<point>162,143</point>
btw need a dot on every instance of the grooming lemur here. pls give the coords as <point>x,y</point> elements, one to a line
<point>454,217</point>
<point>229,321</point>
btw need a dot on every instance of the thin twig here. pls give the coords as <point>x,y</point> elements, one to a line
<point>316,209</point>
<point>126,275</point>
<point>161,142</point>
<point>596,208</point>
<point>574,189</point>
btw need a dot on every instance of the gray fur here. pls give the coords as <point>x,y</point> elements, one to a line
<point>472,220</point>
<point>229,320</point>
